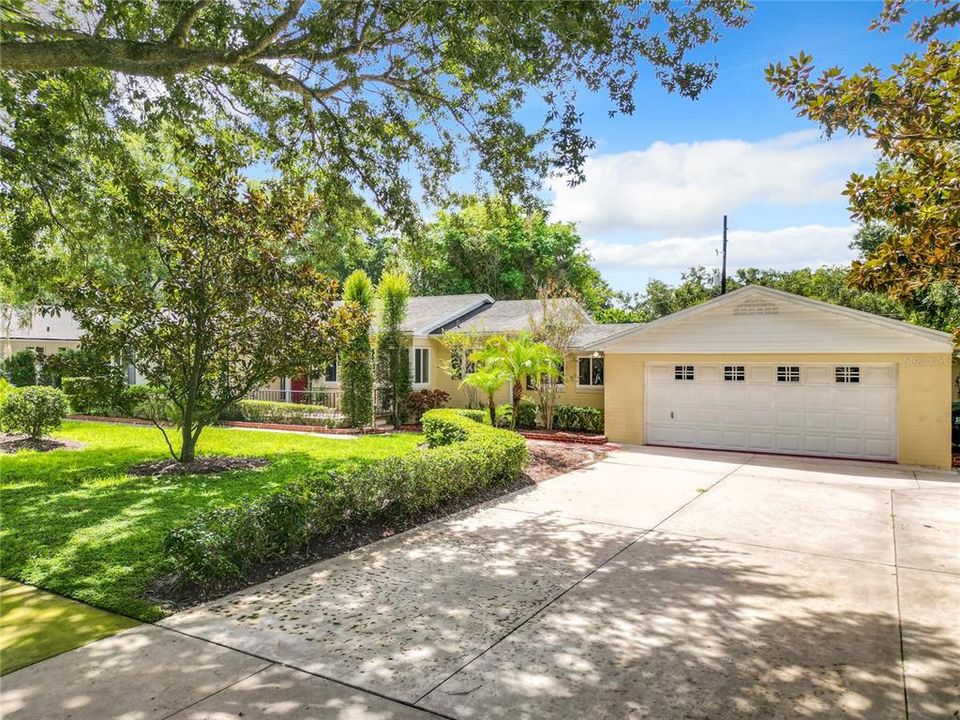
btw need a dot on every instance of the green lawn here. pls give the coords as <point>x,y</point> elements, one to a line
<point>75,523</point>
<point>36,625</point>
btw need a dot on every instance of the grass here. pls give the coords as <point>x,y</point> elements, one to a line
<point>36,625</point>
<point>75,523</point>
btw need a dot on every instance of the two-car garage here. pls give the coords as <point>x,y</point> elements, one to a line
<point>765,371</point>
<point>803,409</point>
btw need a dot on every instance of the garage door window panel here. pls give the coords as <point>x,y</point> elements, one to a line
<point>734,373</point>
<point>847,374</point>
<point>683,372</point>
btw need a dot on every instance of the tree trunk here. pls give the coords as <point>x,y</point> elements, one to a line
<point>517,396</point>
<point>493,410</point>
<point>189,445</point>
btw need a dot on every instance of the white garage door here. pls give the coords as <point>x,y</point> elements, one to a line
<point>832,410</point>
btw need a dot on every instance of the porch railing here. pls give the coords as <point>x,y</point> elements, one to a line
<point>327,397</point>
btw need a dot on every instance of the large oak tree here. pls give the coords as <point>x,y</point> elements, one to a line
<point>387,97</point>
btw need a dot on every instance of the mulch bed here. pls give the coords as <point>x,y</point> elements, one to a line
<point>10,444</point>
<point>549,459</point>
<point>201,466</point>
<point>565,437</point>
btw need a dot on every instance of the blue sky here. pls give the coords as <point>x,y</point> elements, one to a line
<point>659,181</point>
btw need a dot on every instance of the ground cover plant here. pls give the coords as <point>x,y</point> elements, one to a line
<point>77,524</point>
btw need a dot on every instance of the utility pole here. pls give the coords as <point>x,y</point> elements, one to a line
<point>723,271</point>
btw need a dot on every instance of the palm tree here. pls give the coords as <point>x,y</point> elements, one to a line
<point>487,379</point>
<point>519,358</point>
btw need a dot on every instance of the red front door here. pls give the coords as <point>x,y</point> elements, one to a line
<point>298,389</point>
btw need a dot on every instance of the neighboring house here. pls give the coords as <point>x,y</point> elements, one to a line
<point>44,335</point>
<point>29,330</point>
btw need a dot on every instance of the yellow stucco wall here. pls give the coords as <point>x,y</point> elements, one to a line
<point>570,395</point>
<point>923,404</point>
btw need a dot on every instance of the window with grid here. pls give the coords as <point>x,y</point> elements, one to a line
<point>421,366</point>
<point>788,373</point>
<point>590,372</point>
<point>847,374</point>
<point>683,372</point>
<point>734,373</point>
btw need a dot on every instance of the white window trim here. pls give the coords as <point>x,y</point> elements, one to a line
<point>576,374</point>
<point>413,368</point>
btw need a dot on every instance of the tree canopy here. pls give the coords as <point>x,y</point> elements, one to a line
<point>204,299</point>
<point>912,114</point>
<point>387,96</point>
<point>493,246</point>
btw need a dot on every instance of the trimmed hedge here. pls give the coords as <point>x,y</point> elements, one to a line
<point>577,418</point>
<point>464,457</point>
<point>266,411</point>
<point>104,396</point>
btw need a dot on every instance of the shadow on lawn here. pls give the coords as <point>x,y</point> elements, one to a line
<point>77,524</point>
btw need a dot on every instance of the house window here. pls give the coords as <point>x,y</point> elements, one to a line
<point>788,373</point>
<point>734,373</point>
<point>421,365</point>
<point>683,372</point>
<point>847,374</point>
<point>556,380</point>
<point>330,373</point>
<point>590,372</point>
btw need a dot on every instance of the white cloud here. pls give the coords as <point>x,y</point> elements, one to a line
<point>686,187</point>
<point>784,249</point>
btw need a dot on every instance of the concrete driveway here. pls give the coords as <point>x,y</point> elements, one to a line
<point>655,584</point>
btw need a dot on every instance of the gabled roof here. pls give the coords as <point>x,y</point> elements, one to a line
<point>31,325</point>
<point>757,319</point>
<point>428,314</point>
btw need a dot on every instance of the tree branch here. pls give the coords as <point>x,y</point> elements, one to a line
<point>178,38</point>
<point>276,27</point>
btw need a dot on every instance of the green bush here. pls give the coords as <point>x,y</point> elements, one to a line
<point>265,411</point>
<point>106,395</point>
<point>504,415</point>
<point>20,368</point>
<point>527,415</point>
<point>464,457</point>
<point>579,419</point>
<point>480,416</point>
<point>5,387</point>
<point>34,410</point>
<point>420,401</point>
<point>133,398</point>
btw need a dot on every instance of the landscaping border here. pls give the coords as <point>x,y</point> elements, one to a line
<point>319,429</point>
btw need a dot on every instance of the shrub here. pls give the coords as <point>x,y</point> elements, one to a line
<point>504,416</point>
<point>464,457</point>
<point>34,410</point>
<point>265,411</point>
<point>526,415</point>
<point>133,398</point>
<point>106,395</point>
<point>20,368</point>
<point>5,387</point>
<point>420,401</point>
<point>576,418</point>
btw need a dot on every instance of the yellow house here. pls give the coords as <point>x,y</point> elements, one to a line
<point>767,371</point>
<point>756,369</point>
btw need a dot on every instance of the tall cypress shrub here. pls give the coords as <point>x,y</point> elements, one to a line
<point>356,359</point>
<point>393,354</point>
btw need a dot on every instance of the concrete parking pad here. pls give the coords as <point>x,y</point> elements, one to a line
<point>829,472</point>
<point>286,694</point>
<point>928,529</point>
<point>620,493</point>
<point>929,604</point>
<point>400,616</point>
<point>840,521</point>
<point>140,674</point>
<point>683,628</point>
